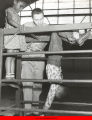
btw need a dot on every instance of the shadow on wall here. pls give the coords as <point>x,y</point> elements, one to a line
<point>2,18</point>
<point>3,5</point>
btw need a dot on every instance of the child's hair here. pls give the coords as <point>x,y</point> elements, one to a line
<point>25,1</point>
<point>37,11</point>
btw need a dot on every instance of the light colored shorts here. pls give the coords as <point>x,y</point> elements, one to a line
<point>32,70</point>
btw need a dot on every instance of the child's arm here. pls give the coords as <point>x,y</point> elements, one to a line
<point>10,20</point>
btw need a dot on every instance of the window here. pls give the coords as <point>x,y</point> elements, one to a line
<point>61,11</point>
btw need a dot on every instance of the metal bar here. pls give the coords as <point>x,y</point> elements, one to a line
<point>63,15</point>
<point>37,41</point>
<point>49,111</point>
<point>42,4</point>
<point>63,58</point>
<point>58,13</point>
<point>61,9</point>
<point>90,10</point>
<point>62,103</point>
<point>74,103</point>
<point>56,81</point>
<point>50,53</point>
<point>50,28</point>
<point>73,11</point>
<point>35,4</point>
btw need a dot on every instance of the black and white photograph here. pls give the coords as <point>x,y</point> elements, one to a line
<point>45,58</point>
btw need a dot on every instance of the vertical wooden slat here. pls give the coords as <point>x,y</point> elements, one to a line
<point>18,91</point>
<point>18,68</point>
<point>1,58</point>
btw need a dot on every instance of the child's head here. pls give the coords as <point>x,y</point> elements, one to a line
<point>20,4</point>
<point>38,16</point>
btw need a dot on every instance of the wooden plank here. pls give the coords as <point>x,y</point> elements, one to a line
<point>49,28</point>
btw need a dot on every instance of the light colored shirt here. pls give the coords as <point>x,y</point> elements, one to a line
<point>40,46</point>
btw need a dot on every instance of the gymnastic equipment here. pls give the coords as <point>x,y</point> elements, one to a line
<point>51,28</point>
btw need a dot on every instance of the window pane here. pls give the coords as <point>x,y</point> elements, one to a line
<point>82,11</point>
<point>65,5</point>
<point>91,3</point>
<point>32,5</point>
<point>65,1</point>
<point>26,13</point>
<point>27,8</point>
<point>50,12</point>
<point>82,3</point>
<point>39,4</point>
<point>86,20</point>
<point>53,20</point>
<point>50,5</point>
<point>80,19</point>
<point>91,10</point>
<point>25,19</point>
<point>50,1</point>
<point>65,11</point>
<point>65,20</point>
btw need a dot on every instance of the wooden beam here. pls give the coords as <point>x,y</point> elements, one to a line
<point>49,28</point>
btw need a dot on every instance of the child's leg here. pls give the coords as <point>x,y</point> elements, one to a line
<point>51,96</point>
<point>10,65</point>
<point>27,73</point>
<point>13,67</point>
<point>53,72</point>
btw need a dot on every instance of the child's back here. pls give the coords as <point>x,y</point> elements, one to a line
<point>14,16</point>
<point>18,41</point>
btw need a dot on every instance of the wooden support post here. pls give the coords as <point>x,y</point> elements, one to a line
<point>1,58</point>
<point>18,68</point>
<point>19,90</point>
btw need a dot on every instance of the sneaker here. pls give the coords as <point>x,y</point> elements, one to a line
<point>8,76</point>
<point>83,38</point>
<point>28,114</point>
<point>42,115</point>
<point>7,113</point>
<point>36,114</point>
